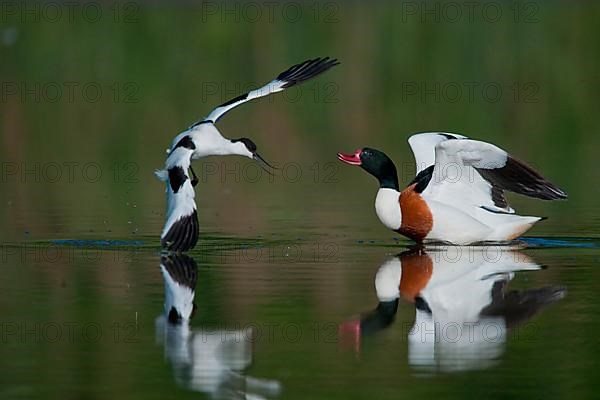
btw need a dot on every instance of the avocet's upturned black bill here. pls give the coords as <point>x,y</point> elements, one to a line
<point>203,139</point>
<point>457,195</point>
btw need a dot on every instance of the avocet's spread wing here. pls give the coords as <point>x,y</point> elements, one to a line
<point>180,274</point>
<point>458,163</point>
<point>423,147</point>
<point>288,78</point>
<point>181,229</point>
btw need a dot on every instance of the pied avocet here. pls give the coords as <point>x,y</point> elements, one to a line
<point>203,139</point>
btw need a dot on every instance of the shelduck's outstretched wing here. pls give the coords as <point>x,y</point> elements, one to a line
<point>288,78</point>
<point>423,147</point>
<point>181,229</point>
<point>458,163</point>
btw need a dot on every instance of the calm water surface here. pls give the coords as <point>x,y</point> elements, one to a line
<point>315,314</point>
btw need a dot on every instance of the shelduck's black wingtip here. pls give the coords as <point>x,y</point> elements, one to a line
<point>556,193</point>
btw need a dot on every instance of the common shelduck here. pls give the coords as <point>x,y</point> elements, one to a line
<point>457,196</point>
<point>203,139</point>
<point>204,360</point>
<point>463,309</point>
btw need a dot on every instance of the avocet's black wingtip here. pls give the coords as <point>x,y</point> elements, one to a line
<point>183,234</point>
<point>306,70</point>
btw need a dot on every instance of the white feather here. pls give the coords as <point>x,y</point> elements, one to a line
<point>161,174</point>
<point>423,147</point>
<point>387,207</point>
<point>271,87</point>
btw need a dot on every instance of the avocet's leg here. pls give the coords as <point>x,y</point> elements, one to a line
<point>194,177</point>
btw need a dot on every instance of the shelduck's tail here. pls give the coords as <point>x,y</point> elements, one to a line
<point>513,229</point>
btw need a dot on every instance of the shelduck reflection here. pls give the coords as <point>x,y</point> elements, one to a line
<point>463,307</point>
<point>208,361</point>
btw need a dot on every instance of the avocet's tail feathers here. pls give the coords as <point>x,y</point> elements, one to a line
<point>162,174</point>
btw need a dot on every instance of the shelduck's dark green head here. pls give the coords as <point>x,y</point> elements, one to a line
<point>375,162</point>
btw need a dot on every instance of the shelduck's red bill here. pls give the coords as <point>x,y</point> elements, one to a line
<point>352,159</point>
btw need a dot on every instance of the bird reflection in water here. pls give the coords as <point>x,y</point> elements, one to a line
<point>463,309</point>
<point>207,361</point>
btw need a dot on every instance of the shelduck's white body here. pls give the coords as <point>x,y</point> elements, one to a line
<point>458,194</point>
<point>461,222</point>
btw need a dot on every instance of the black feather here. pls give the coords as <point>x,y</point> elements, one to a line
<point>380,318</point>
<point>235,100</point>
<point>182,269</point>
<point>517,307</point>
<point>205,121</point>
<point>174,316</point>
<point>186,142</point>
<point>306,70</point>
<point>498,197</point>
<point>448,136</point>
<point>177,178</point>
<point>518,177</point>
<point>422,179</point>
<point>183,235</point>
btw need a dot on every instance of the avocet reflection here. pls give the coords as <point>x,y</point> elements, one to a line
<point>208,361</point>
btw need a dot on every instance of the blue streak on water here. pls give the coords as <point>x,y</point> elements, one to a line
<point>572,243</point>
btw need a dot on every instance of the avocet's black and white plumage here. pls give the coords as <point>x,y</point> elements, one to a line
<point>457,195</point>
<point>202,139</point>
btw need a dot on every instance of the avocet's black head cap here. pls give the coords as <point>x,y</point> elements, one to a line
<point>375,162</point>
<point>251,146</point>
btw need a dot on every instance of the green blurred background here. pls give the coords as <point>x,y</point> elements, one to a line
<point>91,99</point>
<point>108,97</point>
